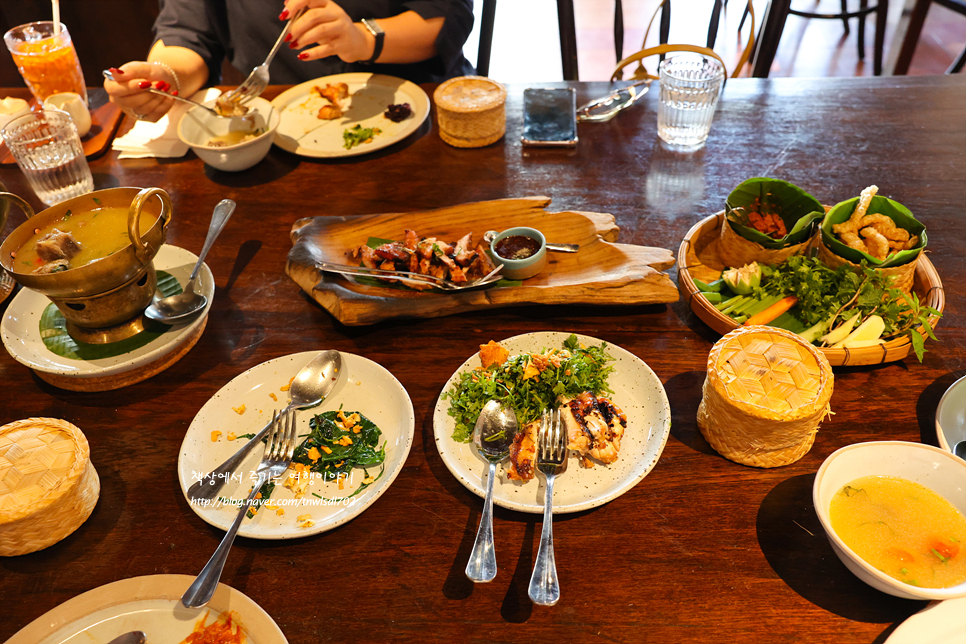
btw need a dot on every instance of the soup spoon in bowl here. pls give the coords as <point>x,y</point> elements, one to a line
<point>176,307</point>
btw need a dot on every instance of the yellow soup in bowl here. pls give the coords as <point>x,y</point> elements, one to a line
<point>77,239</point>
<point>903,529</point>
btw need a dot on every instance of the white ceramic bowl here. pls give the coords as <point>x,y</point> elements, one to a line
<point>198,126</point>
<point>951,416</point>
<point>930,466</point>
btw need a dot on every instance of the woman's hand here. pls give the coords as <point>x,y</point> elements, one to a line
<point>127,91</point>
<point>326,25</point>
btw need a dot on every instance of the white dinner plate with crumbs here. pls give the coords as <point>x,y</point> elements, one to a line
<point>246,404</point>
<point>938,623</point>
<point>151,604</point>
<point>301,132</point>
<point>637,391</point>
<point>21,334</point>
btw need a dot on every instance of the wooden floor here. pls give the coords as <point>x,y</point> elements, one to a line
<point>526,44</point>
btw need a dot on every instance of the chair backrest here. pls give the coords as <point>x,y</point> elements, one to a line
<point>641,73</point>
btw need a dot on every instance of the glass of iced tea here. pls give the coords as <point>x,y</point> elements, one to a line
<point>47,61</point>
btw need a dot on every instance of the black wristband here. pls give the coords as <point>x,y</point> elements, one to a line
<point>377,33</point>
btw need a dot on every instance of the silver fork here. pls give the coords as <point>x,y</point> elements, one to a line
<point>277,458</point>
<point>257,81</point>
<point>405,276</point>
<point>109,76</point>
<point>551,454</point>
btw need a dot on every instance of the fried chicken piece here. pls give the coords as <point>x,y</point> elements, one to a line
<point>523,453</point>
<point>853,241</point>
<point>852,225</point>
<point>334,93</point>
<point>329,112</point>
<point>595,427</point>
<point>885,226</point>
<point>877,244</point>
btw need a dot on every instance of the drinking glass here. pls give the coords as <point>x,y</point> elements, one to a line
<point>49,152</point>
<point>47,61</point>
<point>690,86</point>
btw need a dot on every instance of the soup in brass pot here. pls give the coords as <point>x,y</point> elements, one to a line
<point>77,239</point>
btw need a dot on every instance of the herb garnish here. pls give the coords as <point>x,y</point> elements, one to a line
<point>581,369</point>
<point>358,135</point>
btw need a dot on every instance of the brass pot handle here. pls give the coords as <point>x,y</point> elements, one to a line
<point>24,206</point>
<point>142,250</point>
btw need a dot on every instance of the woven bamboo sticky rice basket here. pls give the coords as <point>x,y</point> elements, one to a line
<point>700,257</point>
<point>471,111</point>
<point>48,486</point>
<point>764,396</point>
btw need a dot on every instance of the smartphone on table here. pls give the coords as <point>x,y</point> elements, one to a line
<point>549,117</point>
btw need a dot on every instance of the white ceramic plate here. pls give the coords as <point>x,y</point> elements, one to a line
<point>951,416</point>
<point>151,604</point>
<point>20,328</point>
<point>937,623</point>
<point>364,386</point>
<point>302,133</point>
<point>637,391</point>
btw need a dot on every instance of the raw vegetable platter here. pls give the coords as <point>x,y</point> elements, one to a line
<point>698,259</point>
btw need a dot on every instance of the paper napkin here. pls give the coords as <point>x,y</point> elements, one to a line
<point>160,139</point>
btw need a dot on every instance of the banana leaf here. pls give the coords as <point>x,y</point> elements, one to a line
<point>798,209</point>
<point>896,211</point>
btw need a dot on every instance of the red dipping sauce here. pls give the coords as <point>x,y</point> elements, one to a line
<point>517,247</point>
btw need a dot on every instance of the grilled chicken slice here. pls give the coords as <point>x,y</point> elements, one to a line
<point>523,453</point>
<point>595,427</point>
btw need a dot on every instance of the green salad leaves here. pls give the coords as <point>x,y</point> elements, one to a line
<point>569,371</point>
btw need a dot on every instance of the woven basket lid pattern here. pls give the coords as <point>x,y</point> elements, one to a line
<point>38,458</point>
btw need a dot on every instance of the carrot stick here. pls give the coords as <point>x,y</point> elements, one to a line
<point>772,311</point>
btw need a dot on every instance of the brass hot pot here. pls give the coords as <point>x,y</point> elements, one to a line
<point>102,301</point>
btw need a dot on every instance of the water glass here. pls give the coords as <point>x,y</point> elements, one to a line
<point>47,61</point>
<point>49,152</point>
<point>690,86</point>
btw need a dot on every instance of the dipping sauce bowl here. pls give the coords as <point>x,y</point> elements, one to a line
<point>524,266</point>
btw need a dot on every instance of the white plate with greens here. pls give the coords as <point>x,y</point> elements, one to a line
<point>638,392</point>
<point>151,604</point>
<point>301,132</point>
<point>23,335</point>
<point>246,404</point>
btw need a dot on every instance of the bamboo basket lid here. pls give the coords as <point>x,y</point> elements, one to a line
<point>48,486</point>
<point>471,111</point>
<point>764,396</point>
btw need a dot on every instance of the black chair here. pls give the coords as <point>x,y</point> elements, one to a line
<point>914,29</point>
<point>568,36</point>
<point>777,12</point>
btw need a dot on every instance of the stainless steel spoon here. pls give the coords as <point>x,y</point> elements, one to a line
<point>490,235</point>
<point>312,384</point>
<point>176,307</point>
<point>960,450</point>
<point>132,637</point>
<point>493,434</point>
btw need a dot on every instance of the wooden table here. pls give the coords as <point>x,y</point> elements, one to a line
<point>701,550</point>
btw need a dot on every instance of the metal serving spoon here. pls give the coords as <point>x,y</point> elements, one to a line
<point>960,450</point>
<point>493,434</point>
<point>490,235</point>
<point>176,307</point>
<point>312,384</point>
<point>132,637</point>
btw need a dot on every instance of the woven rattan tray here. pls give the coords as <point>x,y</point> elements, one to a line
<point>698,259</point>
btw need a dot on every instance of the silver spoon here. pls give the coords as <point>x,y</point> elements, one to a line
<point>132,637</point>
<point>175,307</point>
<point>312,384</point>
<point>960,450</point>
<point>490,235</point>
<point>493,434</point>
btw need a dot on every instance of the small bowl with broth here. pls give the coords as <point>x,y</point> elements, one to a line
<point>233,144</point>
<point>895,514</point>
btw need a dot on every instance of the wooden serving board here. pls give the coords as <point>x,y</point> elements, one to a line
<point>105,119</point>
<point>601,272</point>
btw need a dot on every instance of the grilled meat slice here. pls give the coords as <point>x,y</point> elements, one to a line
<point>595,427</point>
<point>523,453</point>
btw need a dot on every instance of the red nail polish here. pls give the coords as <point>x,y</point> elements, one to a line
<point>115,70</point>
<point>283,15</point>
<point>293,45</point>
<point>303,56</point>
<point>174,93</point>
<point>144,84</point>
<point>288,37</point>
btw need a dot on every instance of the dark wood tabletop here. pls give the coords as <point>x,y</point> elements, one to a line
<point>701,550</point>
